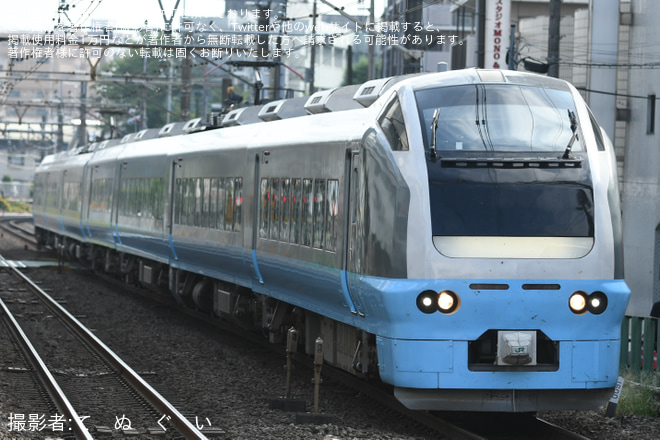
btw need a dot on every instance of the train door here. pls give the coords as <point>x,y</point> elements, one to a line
<point>169,228</point>
<point>656,267</point>
<point>88,171</point>
<point>83,200</point>
<point>256,219</point>
<point>45,198</point>
<point>115,203</point>
<point>353,264</point>
<point>60,199</point>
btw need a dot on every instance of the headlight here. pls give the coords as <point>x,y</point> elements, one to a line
<point>448,301</point>
<point>578,302</point>
<point>426,301</point>
<point>597,303</point>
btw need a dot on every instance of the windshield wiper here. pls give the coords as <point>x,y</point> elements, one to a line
<point>434,129</point>
<point>574,126</point>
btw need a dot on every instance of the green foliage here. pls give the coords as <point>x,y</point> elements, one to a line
<point>639,396</point>
<point>9,206</point>
<point>138,81</point>
<point>361,71</point>
<point>7,178</point>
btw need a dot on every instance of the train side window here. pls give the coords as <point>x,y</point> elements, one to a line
<point>229,203</point>
<point>600,142</point>
<point>185,208</point>
<point>238,203</point>
<point>148,200</point>
<point>157,186</point>
<point>72,196</point>
<point>151,197</point>
<point>107,195</point>
<point>319,213</point>
<point>296,194</point>
<point>192,203</point>
<point>307,206</point>
<point>137,196</point>
<point>213,203</point>
<point>140,203</point>
<point>393,126</point>
<point>124,189</point>
<point>275,209</point>
<point>206,194</point>
<point>331,215</point>
<point>222,207</point>
<point>265,208</point>
<point>199,195</point>
<point>184,201</point>
<point>286,210</point>
<point>65,196</point>
<point>178,197</point>
<point>145,204</point>
<point>131,196</point>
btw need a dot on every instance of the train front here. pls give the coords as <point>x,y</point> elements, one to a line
<point>514,293</point>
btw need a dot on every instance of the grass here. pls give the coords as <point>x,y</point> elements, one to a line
<point>14,206</point>
<point>640,395</point>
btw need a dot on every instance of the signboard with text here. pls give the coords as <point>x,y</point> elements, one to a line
<point>497,34</point>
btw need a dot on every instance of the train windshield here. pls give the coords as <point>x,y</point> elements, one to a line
<point>497,117</point>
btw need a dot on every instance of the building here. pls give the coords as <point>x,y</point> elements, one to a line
<point>641,176</point>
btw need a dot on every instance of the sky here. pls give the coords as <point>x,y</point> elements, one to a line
<point>42,15</point>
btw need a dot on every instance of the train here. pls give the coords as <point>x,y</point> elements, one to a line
<point>454,235</point>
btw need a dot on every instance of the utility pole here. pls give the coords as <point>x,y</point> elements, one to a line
<point>372,19</point>
<point>279,75</point>
<point>143,95</point>
<point>82,129</point>
<point>481,33</point>
<point>169,90</point>
<point>349,65</point>
<point>413,15</point>
<point>186,77</point>
<point>60,122</point>
<point>553,38</point>
<point>512,48</point>
<point>312,61</point>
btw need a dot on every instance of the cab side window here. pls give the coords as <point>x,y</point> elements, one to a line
<point>391,122</point>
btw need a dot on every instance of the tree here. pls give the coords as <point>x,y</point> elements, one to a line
<point>7,178</point>
<point>136,85</point>
<point>361,71</point>
<point>138,81</point>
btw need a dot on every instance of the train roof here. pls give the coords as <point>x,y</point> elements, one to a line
<point>345,102</point>
<point>480,76</point>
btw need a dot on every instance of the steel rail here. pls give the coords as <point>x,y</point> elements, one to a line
<point>175,418</point>
<point>376,394</point>
<point>9,223</point>
<point>47,379</point>
<point>563,433</point>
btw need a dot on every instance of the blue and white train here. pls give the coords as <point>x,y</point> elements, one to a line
<point>457,235</point>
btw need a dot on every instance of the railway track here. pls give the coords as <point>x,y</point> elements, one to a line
<point>475,426</point>
<point>19,226</point>
<point>85,381</point>
<point>472,426</point>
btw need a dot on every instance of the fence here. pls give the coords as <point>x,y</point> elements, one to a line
<point>15,190</point>
<point>640,353</point>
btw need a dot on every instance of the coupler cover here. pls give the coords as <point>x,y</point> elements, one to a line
<point>516,347</point>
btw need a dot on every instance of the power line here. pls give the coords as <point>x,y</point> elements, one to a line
<point>623,95</point>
